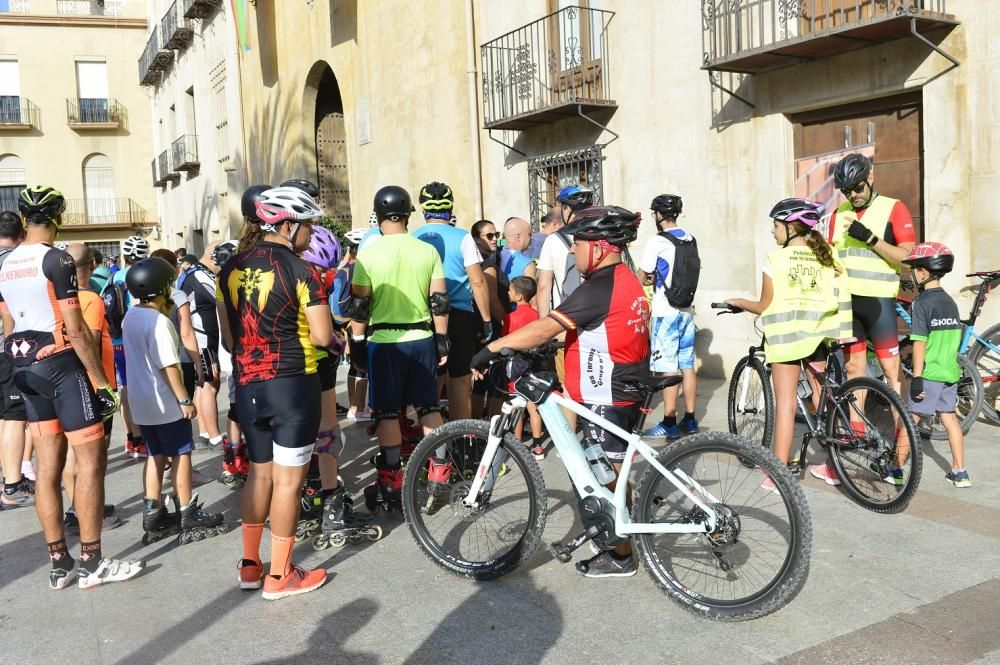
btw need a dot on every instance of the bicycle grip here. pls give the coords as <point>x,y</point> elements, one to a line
<point>728,309</point>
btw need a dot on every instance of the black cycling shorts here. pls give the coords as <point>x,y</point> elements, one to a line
<point>464,330</point>
<point>11,400</point>
<point>190,377</point>
<point>624,417</point>
<point>209,365</point>
<point>59,398</point>
<point>875,320</point>
<point>326,368</point>
<point>280,418</point>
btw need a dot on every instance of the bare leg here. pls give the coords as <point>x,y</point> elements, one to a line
<point>12,446</point>
<point>180,469</point>
<point>286,498</point>
<point>890,367</point>
<point>955,439</point>
<point>209,407</point>
<point>69,475</point>
<point>48,494</point>
<point>91,463</point>
<point>255,502</point>
<point>690,383</point>
<point>670,401</point>
<point>785,377</point>
<point>130,427</point>
<point>460,397</point>
<point>328,422</point>
<point>153,477</point>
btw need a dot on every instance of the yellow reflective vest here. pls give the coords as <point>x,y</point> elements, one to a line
<point>868,274</point>
<point>811,304</point>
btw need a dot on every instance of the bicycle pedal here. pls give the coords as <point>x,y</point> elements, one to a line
<point>561,553</point>
<point>564,552</point>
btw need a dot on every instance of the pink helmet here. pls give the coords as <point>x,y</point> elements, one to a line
<point>798,210</point>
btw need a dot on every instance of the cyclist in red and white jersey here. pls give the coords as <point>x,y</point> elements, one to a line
<point>51,349</point>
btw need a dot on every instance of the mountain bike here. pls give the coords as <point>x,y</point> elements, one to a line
<point>970,384</point>
<point>984,350</point>
<point>705,529</point>
<point>860,423</point>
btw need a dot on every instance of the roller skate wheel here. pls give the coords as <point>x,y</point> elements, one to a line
<point>338,540</point>
<point>145,539</point>
<point>374,533</point>
<point>320,542</point>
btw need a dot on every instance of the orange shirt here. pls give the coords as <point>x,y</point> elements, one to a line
<point>93,314</point>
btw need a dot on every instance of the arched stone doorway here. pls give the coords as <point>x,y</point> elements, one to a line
<point>323,95</point>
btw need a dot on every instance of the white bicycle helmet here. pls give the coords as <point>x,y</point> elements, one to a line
<point>135,248</point>
<point>355,236</point>
<point>281,203</point>
<point>62,246</point>
<point>373,221</point>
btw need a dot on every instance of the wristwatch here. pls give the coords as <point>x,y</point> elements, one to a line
<point>873,240</point>
<point>185,402</point>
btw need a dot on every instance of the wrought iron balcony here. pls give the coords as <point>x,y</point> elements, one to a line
<point>94,113</point>
<point>155,60</point>
<point>83,212</point>
<point>200,9</point>
<point>165,170</point>
<point>546,70</point>
<point>185,157</point>
<point>751,36</point>
<point>89,7</point>
<point>17,113</point>
<point>175,30</point>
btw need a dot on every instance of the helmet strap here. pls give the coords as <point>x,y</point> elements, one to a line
<point>291,236</point>
<point>789,237</point>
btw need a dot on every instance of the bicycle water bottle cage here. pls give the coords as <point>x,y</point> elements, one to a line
<point>535,386</point>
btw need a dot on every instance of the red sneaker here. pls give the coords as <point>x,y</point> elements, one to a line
<point>826,473</point>
<point>295,582</point>
<point>250,574</point>
<point>139,449</point>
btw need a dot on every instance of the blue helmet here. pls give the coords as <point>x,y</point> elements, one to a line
<point>576,197</point>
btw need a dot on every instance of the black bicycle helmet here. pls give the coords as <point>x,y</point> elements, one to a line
<point>393,202</point>
<point>851,170</point>
<point>576,197</point>
<point>248,204</point>
<point>305,185</point>
<point>616,225</point>
<point>41,204</point>
<point>808,212</point>
<point>436,197</point>
<point>224,251</point>
<point>149,278</point>
<point>668,205</point>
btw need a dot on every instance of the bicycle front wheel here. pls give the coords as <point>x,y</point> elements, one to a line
<point>485,541</point>
<point>757,558</point>
<point>751,401</point>
<point>970,401</point>
<point>874,445</point>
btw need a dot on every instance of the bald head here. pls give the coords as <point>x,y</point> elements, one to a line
<point>517,234</point>
<point>552,221</point>
<point>83,256</point>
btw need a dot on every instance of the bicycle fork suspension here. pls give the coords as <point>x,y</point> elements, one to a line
<point>491,464</point>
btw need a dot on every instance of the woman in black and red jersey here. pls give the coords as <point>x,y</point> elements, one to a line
<point>273,314</point>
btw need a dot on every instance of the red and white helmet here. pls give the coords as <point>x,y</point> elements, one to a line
<point>931,256</point>
<point>280,203</point>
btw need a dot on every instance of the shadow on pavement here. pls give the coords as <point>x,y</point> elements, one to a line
<point>326,645</point>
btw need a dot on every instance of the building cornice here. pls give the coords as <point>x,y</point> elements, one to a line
<point>72,21</point>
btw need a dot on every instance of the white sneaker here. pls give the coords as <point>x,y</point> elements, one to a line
<point>109,570</point>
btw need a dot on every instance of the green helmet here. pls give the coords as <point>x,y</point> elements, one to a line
<point>41,204</point>
<point>436,197</point>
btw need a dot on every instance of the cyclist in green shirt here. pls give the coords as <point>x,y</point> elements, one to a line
<point>399,314</point>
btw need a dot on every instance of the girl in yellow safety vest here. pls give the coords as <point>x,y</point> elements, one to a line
<point>804,301</point>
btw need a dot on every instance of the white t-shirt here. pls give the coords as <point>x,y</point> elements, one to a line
<point>657,259</point>
<point>553,258</point>
<point>179,299</point>
<point>150,345</point>
<point>470,252</point>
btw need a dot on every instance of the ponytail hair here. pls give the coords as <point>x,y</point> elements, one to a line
<point>250,235</point>
<point>816,242</point>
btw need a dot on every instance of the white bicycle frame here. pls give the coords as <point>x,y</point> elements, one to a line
<point>584,481</point>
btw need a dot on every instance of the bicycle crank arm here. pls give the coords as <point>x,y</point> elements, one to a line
<point>564,552</point>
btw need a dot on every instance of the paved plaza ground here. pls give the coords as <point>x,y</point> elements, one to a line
<point>920,587</point>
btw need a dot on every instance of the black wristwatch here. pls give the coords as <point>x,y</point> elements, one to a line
<point>185,402</point>
<point>873,240</point>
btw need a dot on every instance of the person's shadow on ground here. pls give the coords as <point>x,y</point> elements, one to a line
<point>327,642</point>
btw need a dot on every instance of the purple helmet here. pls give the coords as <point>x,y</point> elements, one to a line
<point>798,210</point>
<point>324,250</point>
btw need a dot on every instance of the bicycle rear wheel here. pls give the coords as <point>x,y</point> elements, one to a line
<point>751,401</point>
<point>987,362</point>
<point>868,432</point>
<point>484,542</point>
<point>756,560</point>
<point>967,408</point>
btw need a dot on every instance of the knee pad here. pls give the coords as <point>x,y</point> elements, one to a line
<point>334,442</point>
<point>379,416</point>
<point>428,410</point>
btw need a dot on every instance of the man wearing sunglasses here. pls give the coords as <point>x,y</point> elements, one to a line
<point>873,233</point>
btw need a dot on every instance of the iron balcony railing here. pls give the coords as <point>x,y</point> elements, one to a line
<point>185,157</point>
<point>89,7</point>
<point>731,28</point>
<point>155,59</point>
<point>175,30</point>
<point>200,8</point>
<point>164,168</point>
<point>17,112</point>
<point>557,61</point>
<point>94,111</point>
<point>104,211</point>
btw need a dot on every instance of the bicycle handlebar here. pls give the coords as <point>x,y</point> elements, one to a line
<point>543,352</point>
<point>727,308</point>
<point>989,274</point>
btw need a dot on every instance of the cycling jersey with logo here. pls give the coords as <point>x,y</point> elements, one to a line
<point>266,291</point>
<point>458,251</point>
<point>200,288</point>
<point>936,322</point>
<point>607,324</point>
<point>34,280</point>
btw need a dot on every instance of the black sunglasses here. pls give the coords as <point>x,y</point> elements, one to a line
<point>856,189</point>
<point>489,236</point>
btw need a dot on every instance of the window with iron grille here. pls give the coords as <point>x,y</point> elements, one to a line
<point>547,174</point>
<point>110,249</point>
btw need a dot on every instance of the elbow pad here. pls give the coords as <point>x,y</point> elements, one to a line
<point>440,304</point>
<point>359,309</point>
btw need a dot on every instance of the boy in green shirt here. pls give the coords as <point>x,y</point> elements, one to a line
<point>937,336</point>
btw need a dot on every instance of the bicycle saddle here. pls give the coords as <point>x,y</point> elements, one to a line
<point>650,383</point>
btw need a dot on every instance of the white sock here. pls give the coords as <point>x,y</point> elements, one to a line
<point>215,440</point>
<point>28,471</point>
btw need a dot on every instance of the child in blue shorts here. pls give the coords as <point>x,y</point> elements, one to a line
<point>161,406</point>
<point>937,335</point>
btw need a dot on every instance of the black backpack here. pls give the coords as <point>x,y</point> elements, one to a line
<point>685,272</point>
<point>573,279</point>
<point>115,304</point>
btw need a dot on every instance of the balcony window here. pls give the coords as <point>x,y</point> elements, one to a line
<point>548,69</point>
<point>13,178</point>
<point>89,7</point>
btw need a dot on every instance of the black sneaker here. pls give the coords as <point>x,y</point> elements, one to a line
<point>605,565</point>
<point>341,410</point>
<point>71,524</point>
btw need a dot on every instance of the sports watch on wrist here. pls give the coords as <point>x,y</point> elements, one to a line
<point>185,402</point>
